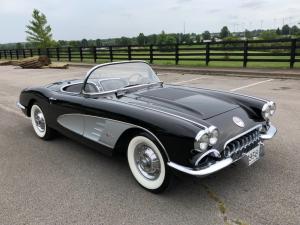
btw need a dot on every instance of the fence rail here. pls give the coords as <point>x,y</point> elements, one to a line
<point>284,50</point>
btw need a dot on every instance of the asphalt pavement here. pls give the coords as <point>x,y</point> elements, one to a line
<point>63,182</point>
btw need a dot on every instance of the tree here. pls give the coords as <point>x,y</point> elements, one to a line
<point>278,31</point>
<point>206,35</point>
<point>224,32</point>
<point>84,43</point>
<point>98,43</point>
<point>285,30</point>
<point>248,34</point>
<point>39,32</point>
<point>295,30</point>
<point>268,35</point>
<point>141,39</point>
<point>19,46</point>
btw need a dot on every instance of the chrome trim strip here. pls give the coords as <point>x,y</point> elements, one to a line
<point>171,114</point>
<point>202,172</point>
<point>20,106</point>
<point>241,134</point>
<point>131,126</point>
<point>270,133</point>
<point>215,152</point>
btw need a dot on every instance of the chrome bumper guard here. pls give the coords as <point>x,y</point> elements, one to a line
<point>269,134</point>
<point>20,106</point>
<point>219,165</point>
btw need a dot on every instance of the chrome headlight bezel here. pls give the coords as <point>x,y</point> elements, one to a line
<point>268,110</point>
<point>206,138</point>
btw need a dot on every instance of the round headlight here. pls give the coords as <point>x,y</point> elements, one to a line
<point>203,142</point>
<point>213,135</point>
<point>272,108</point>
<point>213,139</point>
<point>268,110</point>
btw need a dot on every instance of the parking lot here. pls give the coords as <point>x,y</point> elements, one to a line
<point>63,182</point>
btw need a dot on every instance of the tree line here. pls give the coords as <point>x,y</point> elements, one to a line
<point>39,35</point>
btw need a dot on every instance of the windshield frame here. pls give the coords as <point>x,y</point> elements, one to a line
<point>89,73</point>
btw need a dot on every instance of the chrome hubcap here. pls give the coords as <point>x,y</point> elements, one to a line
<point>147,161</point>
<point>39,120</point>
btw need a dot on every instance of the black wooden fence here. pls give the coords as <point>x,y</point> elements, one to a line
<point>283,50</point>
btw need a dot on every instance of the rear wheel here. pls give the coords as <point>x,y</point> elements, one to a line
<point>148,164</point>
<point>39,123</point>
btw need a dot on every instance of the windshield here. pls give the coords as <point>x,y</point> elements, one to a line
<point>120,75</point>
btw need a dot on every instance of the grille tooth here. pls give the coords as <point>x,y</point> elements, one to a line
<point>237,147</point>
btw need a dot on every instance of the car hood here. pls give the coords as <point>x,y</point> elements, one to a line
<point>182,102</point>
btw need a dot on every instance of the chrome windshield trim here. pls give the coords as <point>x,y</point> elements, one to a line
<point>20,106</point>
<point>202,172</point>
<point>241,134</point>
<point>80,82</point>
<point>108,64</point>
<point>269,134</point>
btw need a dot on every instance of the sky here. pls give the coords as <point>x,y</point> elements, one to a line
<point>92,19</point>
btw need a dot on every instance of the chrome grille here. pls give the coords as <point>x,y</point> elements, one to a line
<point>236,148</point>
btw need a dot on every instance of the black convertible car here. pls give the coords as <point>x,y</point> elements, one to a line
<point>124,107</point>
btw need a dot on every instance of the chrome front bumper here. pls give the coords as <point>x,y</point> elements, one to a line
<point>219,165</point>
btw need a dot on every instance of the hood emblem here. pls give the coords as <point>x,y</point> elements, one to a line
<point>238,121</point>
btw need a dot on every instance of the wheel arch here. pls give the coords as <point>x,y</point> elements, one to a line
<point>128,134</point>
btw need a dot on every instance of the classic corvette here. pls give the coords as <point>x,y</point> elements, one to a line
<point>161,128</point>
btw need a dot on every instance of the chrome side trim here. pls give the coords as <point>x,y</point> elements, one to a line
<point>102,130</point>
<point>202,172</point>
<point>171,114</point>
<point>20,106</point>
<point>213,152</point>
<point>269,134</point>
<point>241,134</point>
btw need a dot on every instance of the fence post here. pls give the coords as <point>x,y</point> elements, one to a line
<point>57,54</point>
<point>69,54</point>
<point>207,53</point>
<point>245,60</point>
<point>176,54</point>
<point>293,53</point>
<point>95,54</point>
<point>39,51</point>
<point>129,52</point>
<point>23,52</point>
<point>151,53</point>
<point>5,55</point>
<point>47,52</point>
<point>10,53</point>
<point>111,56</point>
<point>31,54</point>
<point>80,54</point>
<point>0,54</point>
<point>17,53</point>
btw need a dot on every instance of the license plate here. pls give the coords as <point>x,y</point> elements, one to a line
<point>253,155</point>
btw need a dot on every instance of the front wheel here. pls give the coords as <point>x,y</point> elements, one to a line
<point>148,164</point>
<point>39,123</point>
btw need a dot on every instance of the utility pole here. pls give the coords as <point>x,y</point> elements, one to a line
<point>184,27</point>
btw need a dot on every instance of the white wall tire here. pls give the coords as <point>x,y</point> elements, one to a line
<point>147,164</point>
<point>39,122</point>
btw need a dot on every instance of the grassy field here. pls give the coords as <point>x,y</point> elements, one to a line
<point>197,59</point>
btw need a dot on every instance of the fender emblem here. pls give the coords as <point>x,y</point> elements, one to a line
<point>238,121</point>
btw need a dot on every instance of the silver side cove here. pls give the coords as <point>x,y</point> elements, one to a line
<point>101,130</point>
